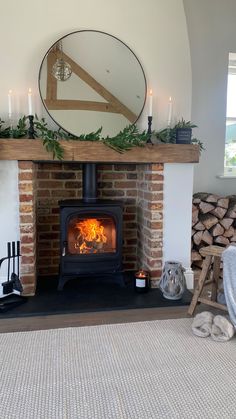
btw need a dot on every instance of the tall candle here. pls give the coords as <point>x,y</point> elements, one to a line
<point>30,101</point>
<point>150,103</point>
<point>169,112</point>
<point>10,104</point>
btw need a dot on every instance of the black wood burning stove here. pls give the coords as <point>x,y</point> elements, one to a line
<point>91,234</point>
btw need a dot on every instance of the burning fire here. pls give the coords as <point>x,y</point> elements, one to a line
<point>91,237</point>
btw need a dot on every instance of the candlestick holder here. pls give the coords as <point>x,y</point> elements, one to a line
<point>31,131</point>
<point>149,131</point>
<point>168,135</point>
<point>11,126</point>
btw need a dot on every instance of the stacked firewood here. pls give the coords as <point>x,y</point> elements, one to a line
<point>213,222</point>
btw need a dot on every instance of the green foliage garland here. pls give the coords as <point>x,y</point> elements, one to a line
<point>124,140</point>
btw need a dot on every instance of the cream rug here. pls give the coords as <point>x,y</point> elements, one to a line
<point>145,370</point>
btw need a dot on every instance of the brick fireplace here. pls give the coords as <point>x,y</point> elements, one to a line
<point>42,185</point>
<point>153,182</point>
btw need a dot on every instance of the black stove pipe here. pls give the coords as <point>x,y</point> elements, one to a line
<point>89,182</point>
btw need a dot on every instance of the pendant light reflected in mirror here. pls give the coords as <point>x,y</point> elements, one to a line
<point>61,70</point>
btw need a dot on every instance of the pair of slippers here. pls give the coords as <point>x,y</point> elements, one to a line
<point>218,327</point>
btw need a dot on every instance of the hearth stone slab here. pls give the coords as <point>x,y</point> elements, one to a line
<point>90,295</point>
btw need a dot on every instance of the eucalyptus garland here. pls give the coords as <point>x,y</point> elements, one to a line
<point>129,137</point>
<point>124,140</point>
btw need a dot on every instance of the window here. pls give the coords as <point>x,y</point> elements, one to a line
<point>230,132</point>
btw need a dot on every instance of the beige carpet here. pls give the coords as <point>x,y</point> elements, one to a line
<point>155,369</point>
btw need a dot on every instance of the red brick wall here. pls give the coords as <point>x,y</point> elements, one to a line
<point>120,182</point>
<point>62,181</point>
<point>55,181</point>
<point>150,219</point>
<point>27,200</point>
<point>42,185</point>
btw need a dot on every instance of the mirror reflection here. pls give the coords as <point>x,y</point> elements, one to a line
<point>90,79</point>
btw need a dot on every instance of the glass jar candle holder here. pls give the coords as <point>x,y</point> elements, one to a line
<point>141,281</point>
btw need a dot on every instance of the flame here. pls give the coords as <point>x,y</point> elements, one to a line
<point>91,234</point>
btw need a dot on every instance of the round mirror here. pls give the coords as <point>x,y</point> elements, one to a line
<point>90,79</point>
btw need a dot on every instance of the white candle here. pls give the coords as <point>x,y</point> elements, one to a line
<point>9,104</point>
<point>150,103</point>
<point>30,101</point>
<point>170,111</point>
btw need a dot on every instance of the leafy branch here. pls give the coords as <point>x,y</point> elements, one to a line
<point>168,135</point>
<point>184,124</point>
<point>10,132</point>
<point>126,139</point>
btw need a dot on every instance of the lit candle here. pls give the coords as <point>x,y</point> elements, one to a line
<point>150,103</point>
<point>9,104</point>
<point>141,281</point>
<point>30,101</point>
<point>141,274</point>
<point>170,111</point>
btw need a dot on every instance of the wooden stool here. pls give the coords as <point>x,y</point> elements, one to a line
<point>210,252</point>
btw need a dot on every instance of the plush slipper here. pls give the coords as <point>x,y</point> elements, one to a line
<point>202,324</point>
<point>222,329</point>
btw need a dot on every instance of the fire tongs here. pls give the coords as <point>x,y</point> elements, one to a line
<point>13,282</point>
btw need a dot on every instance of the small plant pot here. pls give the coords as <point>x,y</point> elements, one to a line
<point>183,135</point>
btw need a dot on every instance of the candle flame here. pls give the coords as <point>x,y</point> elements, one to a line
<point>141,273</point>
<point>170,99</point>
<point>150,92</point>
<point>10,92</point>
<point>29,91</point>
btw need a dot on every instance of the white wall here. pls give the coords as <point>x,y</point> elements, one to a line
<point>178,189</point>
<point>9,213</point>
<point>212,35</point>
<point>155,30</point>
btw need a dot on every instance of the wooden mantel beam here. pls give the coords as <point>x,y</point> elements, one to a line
<point>84,151</point>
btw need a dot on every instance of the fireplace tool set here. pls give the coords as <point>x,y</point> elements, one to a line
<point>13,265</point>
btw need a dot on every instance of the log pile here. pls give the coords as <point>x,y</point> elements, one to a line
<point>213,222</point>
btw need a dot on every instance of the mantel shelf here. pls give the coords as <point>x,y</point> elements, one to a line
<point>85,151</point>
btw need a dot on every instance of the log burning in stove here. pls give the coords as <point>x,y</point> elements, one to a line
<point>91,234</point>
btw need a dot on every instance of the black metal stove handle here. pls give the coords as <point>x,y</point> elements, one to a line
<point>64,248</point>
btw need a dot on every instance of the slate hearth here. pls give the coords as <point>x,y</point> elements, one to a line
<point>90,296</point>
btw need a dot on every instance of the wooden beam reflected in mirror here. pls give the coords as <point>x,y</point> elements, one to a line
<point>112,105</point>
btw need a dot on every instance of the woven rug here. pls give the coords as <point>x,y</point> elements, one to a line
<point>145,370</point>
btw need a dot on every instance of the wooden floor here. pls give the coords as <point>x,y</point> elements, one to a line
<point>22,324</point>
<point>88,319</point>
